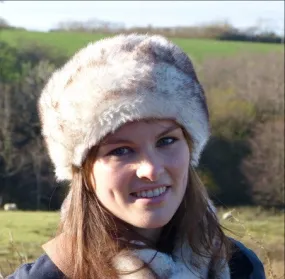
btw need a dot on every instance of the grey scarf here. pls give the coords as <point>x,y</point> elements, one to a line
<point>167,267</point>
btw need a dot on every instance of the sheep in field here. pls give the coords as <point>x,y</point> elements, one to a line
<point>10,207</point>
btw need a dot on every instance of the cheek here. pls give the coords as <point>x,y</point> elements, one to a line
<point>180,158</point>
<point>179,163</point>
<point>109,178</point>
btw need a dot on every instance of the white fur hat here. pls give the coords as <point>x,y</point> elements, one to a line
<point>114,81</point>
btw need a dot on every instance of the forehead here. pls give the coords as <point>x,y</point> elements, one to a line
<point>146,125</point>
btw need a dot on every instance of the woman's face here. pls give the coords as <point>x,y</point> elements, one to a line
<point>141,172</point>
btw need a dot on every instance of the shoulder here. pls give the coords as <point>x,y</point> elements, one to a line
<point>245,263</point>
<point>42,268</point>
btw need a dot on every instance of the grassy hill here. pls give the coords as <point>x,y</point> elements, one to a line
<point>70,42</point>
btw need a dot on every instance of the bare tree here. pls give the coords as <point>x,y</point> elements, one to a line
<point>265,167</point>
<point>11,162</point>
<point>20,143</point>
<point>90,25</point>
<point>32,85</point>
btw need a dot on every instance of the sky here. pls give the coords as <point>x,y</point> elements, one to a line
<point>45,15</point>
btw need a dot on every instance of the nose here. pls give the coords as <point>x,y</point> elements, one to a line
<point>150,168</point>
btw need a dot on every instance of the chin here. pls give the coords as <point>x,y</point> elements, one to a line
<point>153,222</point>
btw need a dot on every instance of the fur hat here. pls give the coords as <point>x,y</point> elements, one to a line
<point>114,81</point>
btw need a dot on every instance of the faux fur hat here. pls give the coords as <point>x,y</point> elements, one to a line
<point>114,81</point>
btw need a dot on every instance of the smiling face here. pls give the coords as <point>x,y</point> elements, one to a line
<point>141,172</point>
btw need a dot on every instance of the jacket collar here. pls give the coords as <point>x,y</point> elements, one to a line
<point>244,263</point>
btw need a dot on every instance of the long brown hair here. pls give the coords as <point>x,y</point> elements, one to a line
<point>97,234</point>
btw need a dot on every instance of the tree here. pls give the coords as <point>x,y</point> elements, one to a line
<point>24,168</point>
<point>10,163</point>
<point>264,168</point>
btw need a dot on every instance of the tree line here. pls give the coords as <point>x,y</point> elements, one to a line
<point>220,30</point>
<point>223,30</point>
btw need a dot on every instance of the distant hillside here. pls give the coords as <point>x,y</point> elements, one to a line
<point>198,49</point>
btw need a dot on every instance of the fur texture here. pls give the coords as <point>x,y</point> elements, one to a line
<point>167,267</point>
<point>112,82</point>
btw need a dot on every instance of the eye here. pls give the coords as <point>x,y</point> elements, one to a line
<point>121,151</point>
<point>166,141</point>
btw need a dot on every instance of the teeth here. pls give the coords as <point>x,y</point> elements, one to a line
<point>151,193</point>
<point>156,192</point>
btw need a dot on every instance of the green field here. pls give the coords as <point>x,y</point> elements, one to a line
<point>198,49</point>
<point>23,233</point>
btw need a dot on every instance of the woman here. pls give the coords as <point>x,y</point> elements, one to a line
<point>125,121</point>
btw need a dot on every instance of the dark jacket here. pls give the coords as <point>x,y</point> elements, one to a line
<point>244,264</point>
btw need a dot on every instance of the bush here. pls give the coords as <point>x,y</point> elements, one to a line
<point>264,168</point>
<point>10,65</point>
<point>33,52</point>
<point>246,103</point>
<point>231,115</point>
<point>253,79</point>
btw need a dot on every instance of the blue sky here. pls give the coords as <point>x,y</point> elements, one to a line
<point>44,15</point>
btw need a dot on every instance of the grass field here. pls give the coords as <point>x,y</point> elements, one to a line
<point>198,49</point>
<point>261,230</point>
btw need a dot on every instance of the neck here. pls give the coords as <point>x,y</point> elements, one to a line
<point>150,234</point>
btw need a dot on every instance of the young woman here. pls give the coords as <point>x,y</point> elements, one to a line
<point>125,121</point>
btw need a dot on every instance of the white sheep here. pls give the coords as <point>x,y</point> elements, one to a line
<point>10,207</point>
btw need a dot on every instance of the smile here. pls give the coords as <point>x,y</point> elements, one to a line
<point>150,193</point>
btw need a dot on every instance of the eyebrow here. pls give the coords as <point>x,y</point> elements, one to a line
<point>125,141</point>
<point>168,130</point>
